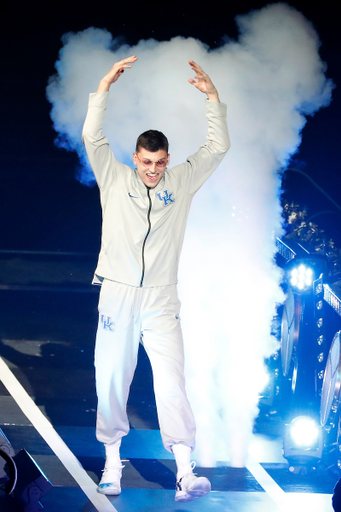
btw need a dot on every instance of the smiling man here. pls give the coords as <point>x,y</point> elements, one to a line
<point>145,212</point>
<point>151,157</point>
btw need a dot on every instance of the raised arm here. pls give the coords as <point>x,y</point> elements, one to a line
<point>202,164</point>
<point>103,163</point>
<point>204,83</point>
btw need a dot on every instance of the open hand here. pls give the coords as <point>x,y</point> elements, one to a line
<point>204,83</point>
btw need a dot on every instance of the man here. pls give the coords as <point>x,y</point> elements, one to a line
<point>144,218</point>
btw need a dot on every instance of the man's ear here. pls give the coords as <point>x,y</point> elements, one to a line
<point>135,158</point>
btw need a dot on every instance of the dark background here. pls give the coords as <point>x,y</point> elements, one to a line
<point>43,207</point>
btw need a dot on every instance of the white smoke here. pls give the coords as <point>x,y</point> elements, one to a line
<point>270,79</point>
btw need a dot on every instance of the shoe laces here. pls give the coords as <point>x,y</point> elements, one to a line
<point>188,470</point>
<point>112,468</point>
<point>192,465</point>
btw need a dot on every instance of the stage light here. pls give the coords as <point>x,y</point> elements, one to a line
<point>301,277</point>
<point>304,432</point>
<point>303,441</point>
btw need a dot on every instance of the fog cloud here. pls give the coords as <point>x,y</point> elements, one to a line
<point>271,79</point>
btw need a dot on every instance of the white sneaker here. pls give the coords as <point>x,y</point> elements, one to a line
<point>190,487</point>
<point>110,483</point>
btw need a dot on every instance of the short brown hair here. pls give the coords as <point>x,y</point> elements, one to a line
<point>152,140</point>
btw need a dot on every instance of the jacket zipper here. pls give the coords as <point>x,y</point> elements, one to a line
<point>144,241</point>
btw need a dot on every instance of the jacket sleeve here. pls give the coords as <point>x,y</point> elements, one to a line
<point>101,158</point>
<point>202,164</point>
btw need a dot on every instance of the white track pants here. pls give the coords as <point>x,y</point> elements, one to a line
<point>126,313</point>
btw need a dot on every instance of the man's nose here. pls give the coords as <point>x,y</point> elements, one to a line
<point>153,167</point>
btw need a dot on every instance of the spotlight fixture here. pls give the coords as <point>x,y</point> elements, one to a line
<point>301,277</point>
<point>304,432</point>
<point>303,271</point>
<point>303,440</point>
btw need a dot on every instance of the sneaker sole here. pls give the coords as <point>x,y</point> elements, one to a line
<point>192,494</point>
<point>109,492</point>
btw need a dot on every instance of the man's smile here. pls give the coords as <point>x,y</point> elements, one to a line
<point>152,177</point>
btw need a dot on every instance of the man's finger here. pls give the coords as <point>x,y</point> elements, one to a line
<point>200,73</point>
<point>123,63</point>
<point>194,65</point>
<point>193,82</point>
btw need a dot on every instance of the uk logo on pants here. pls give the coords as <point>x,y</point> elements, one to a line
<point>107,323</point>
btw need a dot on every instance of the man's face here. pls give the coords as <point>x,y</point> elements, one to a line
<point>151,166</point>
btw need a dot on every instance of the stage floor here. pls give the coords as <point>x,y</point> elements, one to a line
<point>47,342</point>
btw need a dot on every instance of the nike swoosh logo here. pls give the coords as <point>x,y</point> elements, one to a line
<point>134,197</point>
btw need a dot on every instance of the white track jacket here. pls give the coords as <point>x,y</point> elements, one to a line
<point>143,228</point>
